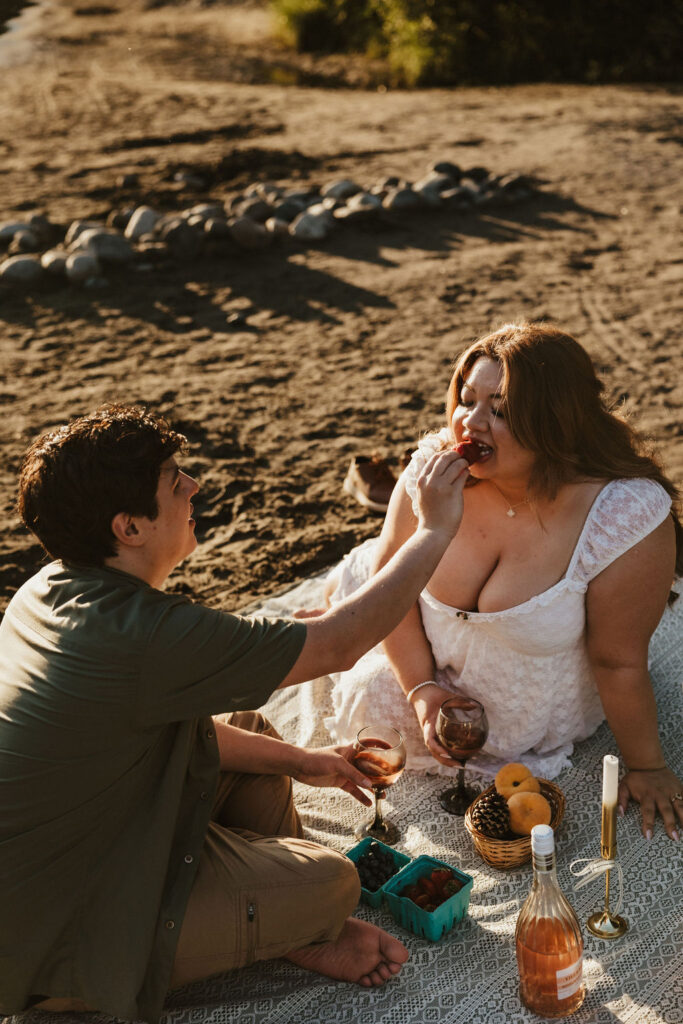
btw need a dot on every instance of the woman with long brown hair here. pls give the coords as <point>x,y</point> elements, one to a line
<point>544,604</point>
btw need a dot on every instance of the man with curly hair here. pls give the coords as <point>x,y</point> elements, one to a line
<point>148,835</point>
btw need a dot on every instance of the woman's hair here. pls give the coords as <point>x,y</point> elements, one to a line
<point>553,404</point>
<point>74,480</point>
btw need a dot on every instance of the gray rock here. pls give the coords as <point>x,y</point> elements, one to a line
<point>477,174</point>
<point>77,227</point>
<point>208,211</point>
<point>249,234</point>
<point>9,228</point>
<point>195,221</point>
<point>446,167</point>
<point>399,199</point>
<point>431,187</point>
<point>388,183</point>
<point>54,261</point>
<point>107,245</point>
<point>183,242</point>
<point>143,220</point>
<point>462,197</point>
<point>312,195</point>
<point>310,227</point>
<point>433,182</point>
<point>340,189</point>
<point>118,219</point>
<point>81,265</point>
<point>324,210</point>
<point>254,208</point>
<point>216,227</point>
<point>288,209</point>
<point>359,207</point>
<point>278,228</point>
<point>21,270</point>
<point>25,240</point>
<point>45,231</point>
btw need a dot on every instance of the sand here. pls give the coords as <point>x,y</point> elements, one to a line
<point>347,345</point>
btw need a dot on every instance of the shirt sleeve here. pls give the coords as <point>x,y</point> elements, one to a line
<point>202,661</point>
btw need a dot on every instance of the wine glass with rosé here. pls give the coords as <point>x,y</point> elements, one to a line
<point>380,754</point>
<point>462,729</point>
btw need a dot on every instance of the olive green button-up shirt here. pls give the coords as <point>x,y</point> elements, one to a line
<point>108,766</point>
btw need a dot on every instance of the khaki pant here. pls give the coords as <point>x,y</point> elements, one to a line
<point>261,890</point>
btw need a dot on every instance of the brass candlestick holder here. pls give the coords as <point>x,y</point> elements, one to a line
<point>604,923</point>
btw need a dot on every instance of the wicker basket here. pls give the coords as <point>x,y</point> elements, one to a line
<point>510,853</point>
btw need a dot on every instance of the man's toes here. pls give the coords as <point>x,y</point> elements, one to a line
<point>393,950</point>
<point>384,971</point>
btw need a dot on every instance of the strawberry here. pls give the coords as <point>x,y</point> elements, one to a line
<point>439,876</point>
<point>451,887</point>
<point>426,885</point>
<point>472,451</point>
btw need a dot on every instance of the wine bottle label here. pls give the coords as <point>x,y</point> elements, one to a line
<point>569,979</point>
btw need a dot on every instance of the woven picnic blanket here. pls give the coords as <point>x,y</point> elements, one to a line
<point>470,976</point>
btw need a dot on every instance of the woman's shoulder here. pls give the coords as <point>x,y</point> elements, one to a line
<point>632,501</point>
<point>624,512</point>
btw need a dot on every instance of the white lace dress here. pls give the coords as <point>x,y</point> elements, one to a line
<point>527,665</point>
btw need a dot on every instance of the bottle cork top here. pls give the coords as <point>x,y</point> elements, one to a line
<point>542,839</point>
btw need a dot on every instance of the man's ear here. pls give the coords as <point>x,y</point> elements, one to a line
<point>127,530</point>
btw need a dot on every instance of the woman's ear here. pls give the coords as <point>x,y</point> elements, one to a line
<point>126,529</point>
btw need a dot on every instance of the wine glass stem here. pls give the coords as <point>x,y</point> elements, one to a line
<point>379,820</point>
<point>461,778</point>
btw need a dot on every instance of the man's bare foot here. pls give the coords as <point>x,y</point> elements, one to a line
<point>362,953</point>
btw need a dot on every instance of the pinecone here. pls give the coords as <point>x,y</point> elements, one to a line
<point>491,816</point>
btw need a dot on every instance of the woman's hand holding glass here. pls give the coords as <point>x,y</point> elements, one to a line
<point>427,703</point>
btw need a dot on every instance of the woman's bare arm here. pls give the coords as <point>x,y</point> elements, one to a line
<point>336,639</point>
<point>623,606</point>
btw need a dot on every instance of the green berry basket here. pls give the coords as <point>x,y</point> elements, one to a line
<point>430,924</point>
<point>374,899</point>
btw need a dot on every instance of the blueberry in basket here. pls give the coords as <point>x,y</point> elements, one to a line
<point>375,867</point>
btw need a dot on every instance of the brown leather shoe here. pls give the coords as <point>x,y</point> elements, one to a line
<point>370,481</point>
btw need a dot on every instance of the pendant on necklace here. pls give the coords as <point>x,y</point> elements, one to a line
<point>511,512</point>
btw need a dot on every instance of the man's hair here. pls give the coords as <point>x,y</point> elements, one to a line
<point>74,480</point>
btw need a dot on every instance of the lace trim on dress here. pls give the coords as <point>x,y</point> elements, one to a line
<point>623,513</point>
<point>541,600</point>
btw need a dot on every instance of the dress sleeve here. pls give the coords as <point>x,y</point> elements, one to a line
<point>426,447</point>
<point>202,661</point>
<point>623,514</point>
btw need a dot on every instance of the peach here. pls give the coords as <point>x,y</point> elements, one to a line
<point>527,810</point>
<point>516,778</point>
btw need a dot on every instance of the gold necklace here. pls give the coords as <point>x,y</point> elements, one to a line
<point>512,509</point>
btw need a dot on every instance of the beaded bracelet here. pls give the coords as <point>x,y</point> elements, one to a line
<point>427,682</point>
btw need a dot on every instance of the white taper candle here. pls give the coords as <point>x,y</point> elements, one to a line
<point>610,780</point>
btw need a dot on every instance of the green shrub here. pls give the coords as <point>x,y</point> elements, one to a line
<point>446,42</point>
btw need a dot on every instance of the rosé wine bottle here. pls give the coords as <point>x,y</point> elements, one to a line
<point>548,938</point>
